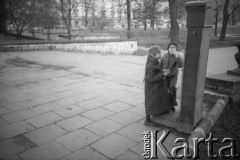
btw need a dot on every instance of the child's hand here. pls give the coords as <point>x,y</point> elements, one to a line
<point>176,54</point>
<point>165,74</point>
<point>166,71</point>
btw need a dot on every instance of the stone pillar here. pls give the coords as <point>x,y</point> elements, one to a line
<point>200,16</point>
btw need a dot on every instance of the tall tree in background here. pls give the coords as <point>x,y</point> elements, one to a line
<point>145,13</point>
<point>235,11</point>
<point>87,6</point>
<point>153,12</point>
<point>120,9</point>
<point>218,9</point>
<point>174,30</point>
<point>66,8</point>
<point>47,16</point>
<point>226,16</point>
<point>102,20</point>
<point>128,2</point>
<point>181,10</point>
<point>21,14</point>
<point>3,17</point>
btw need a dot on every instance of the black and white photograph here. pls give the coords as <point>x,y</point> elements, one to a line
<point>119,79</point>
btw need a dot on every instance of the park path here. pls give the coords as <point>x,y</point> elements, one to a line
<point>67,105</point>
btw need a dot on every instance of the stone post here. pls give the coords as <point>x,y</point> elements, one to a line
<point>200,16</point>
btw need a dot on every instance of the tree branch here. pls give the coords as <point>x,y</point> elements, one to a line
<point>237,7</point>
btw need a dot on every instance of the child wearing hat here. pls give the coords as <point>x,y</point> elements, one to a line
<point>156,96</point>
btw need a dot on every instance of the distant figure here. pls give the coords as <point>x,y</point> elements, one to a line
<point>156,96</point>
<point>171,62</point>
<point>237,56</point>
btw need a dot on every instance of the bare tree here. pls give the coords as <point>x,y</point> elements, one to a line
<point>120,9</point>
<point>142,11</point>
<point>235,12</point>
<point>174,30</point>
<point>48,16</point>
<point>146,8</point>
<point>87,6</point>
<point>3,17</point>
<point>21,14</point>
<point>128,2</point>
<point>226,16</point>
<point>218,9</point>
<point>66,8</point>
<point>153,12</point>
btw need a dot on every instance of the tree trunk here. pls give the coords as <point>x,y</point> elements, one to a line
<point>3,17</point>
<point>69,24</point>
<point>86,19</point>
<point>119,12</point>
<point>145,23</point>
<point>153,13</point>
<point>174,30</point>
<point>216,25</point>
<point>225,21</point>
<point>128,20</point>
<point>48,33</point>
<point>145,16</point>
<point>233,18</point>
<point>33,32</point>
<point>69,32</point>
<point>18,35</point>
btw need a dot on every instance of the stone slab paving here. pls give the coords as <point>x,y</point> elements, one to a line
<point>69,111</point>
<point>117,106</point>
<point>85,153</point>
<point>125,117</point>
<point>113,145</point>
<point>138,110</point>
<point>15,129</point>
<point>45,134</point>
<point>98,113</point>
<point>134,131</point>
<point>13,146</point>
<point>74,123</point>
<point>77,139</point>
<point>78,106</point>
<point>43,108</point>
<point>90,104</point>
<point>19,115</point>
<point>4,110</point>
<point>104,127</point>
<point>3,122</point>
<point>49,151</point>
<point>44,119</point>
<point>129,155</point>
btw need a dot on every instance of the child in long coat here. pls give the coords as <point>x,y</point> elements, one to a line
<point>156,96</point>
<point>172,61</point>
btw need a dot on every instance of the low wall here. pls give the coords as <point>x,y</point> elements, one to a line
<point>96,37</point>
<point>115,47</point>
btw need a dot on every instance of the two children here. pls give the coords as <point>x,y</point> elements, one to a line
<point>160,78</point>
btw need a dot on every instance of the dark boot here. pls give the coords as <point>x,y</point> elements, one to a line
<point>149,122</point>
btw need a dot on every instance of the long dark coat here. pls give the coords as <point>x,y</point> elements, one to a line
<point>171,62</point>
<point>156,96</point>
<point>168,61</point>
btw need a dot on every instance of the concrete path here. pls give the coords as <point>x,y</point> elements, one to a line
<point>66,105</point>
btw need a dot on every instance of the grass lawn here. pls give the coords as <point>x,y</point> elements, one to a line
<point>151,37</point>
<point>160,38</point>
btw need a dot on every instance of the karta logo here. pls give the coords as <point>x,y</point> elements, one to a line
<point>184,148</point>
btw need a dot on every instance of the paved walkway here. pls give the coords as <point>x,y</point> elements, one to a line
<point>67,105</point>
